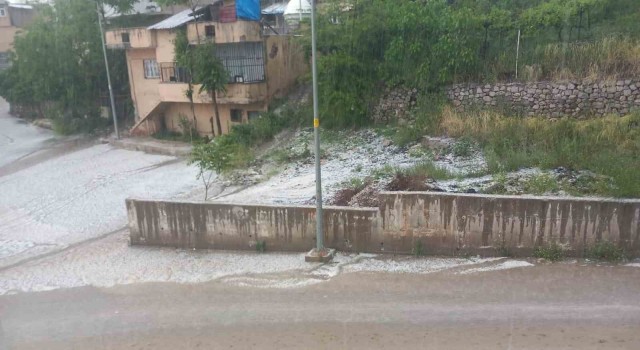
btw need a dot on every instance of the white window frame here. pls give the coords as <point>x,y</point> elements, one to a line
<point>151,68</point>
<point>3,11</point>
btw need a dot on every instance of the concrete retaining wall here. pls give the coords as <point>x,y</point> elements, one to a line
<point>238,227</point>
<point>453,223</point>
<point>447,224</point>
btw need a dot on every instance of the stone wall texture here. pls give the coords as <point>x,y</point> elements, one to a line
<point>552,99</point>
<point>446,224</point>
<point>582,99</point>
<point>394,105</point>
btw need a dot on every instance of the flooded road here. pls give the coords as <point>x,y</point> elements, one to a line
<point>551,306</point>
<point>56,192</point>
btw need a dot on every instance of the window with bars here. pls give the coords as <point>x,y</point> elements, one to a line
<point>151,70</point>
<point>170,73</point>
<point>243,61</point>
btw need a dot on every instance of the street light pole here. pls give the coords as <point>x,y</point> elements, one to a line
<point>106,64</point>
<point>316,133</point>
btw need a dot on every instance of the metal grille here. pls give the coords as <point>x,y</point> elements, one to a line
<point>172,74</point>
<point>4,60</point>
<point>243,61</point>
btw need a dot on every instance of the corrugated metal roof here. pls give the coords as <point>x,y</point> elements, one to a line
<point>275,9</point>
<point>21,6</point>
<point>176,20</point>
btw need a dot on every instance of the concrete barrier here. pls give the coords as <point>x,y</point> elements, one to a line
<point>445,224</point>
<point>451,224</point>
<point>238,227</point>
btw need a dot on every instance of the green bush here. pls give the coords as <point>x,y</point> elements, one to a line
<point>463,147</point>
<point>541,184</point>
<point>605,251</point>
<point>551,251</point>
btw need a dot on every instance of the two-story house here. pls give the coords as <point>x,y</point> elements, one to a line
<point>261,64</point>
<point>13,17</point>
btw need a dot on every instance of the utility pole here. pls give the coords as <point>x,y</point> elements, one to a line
<point>319,253</point>
<point>106,64</point>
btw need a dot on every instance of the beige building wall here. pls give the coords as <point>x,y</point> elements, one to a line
<point>144,92</point>
<point>6,36</point>
<point>205,116</point>
<point>164,49</point>
<point>233,32</point>
<point>5,21</point>
<point>285,63</point>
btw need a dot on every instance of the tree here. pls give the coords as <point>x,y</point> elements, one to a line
<point>210,73</point>
<point>58,68</point>
<point>184,59</point>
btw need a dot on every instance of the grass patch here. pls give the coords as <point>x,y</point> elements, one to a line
<point>384,172</point>
<point>609,146</point>
<point>605,251</point>
<point>428,169</point>
<point>540,184</point>
<point>551,251</point>
<point>464,147</point>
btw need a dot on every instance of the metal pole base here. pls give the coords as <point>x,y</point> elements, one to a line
<point>323,256</point>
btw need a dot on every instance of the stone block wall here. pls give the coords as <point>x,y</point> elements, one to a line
<point>394,105</point>
<point>552,99</point>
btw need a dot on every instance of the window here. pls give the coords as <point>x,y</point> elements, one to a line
<point>253,115</point>
<point>236,115</point>
<point>125,38</point>
<point>210,31</point>
<point>3,11</point>
<point>170,73</point>
<point>151,70</point>
<point>243,61</point>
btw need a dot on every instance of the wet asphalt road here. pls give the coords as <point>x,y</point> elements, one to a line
<point>558,306</point>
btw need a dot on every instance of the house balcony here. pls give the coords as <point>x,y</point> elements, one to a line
<point>238,94</point>
<point>224,32</point>
<point>124,38</point>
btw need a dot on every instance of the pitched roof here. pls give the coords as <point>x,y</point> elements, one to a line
<point>176,20</point>
<point>275,9</point>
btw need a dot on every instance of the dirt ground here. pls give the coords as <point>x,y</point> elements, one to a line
<point>554,306</point>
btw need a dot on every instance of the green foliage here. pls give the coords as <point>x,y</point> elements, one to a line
<point>220,155</point>
<point>261,246</point>
<point>428,169</point>
<point>260,130</point>
<point>606,251</point>
<point>208,70</point>
<point>429,44</point>
<point>463,147</point>
<point>607,146</point>
<point>386,171</point>
<point>551,251</point>
<point>235,149</point>
<point>418,249</point>
<point>541,184</point>
<point>58,60</point>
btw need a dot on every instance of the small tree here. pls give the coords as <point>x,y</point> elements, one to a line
<point>184,59</point>
<point>210,73</point>
<point>216,157</point>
